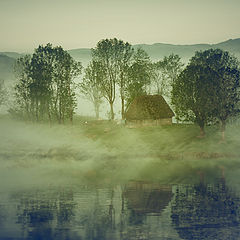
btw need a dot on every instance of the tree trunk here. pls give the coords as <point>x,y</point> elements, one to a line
<point>202,132</point>
<point>223,127</point>
<point>201,124</point>
<point>37,118</point>
<point>63,116</point>
<point>49,117</point>
<point>71,115</point>
<point>111,110</point>
<point>97,111</point>
<point>123,109</point>
<point>60,111</point>
<point>158,89</point>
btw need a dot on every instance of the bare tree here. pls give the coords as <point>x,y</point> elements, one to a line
<point>91,85</point>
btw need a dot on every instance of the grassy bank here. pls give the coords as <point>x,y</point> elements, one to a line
<point>103,151</point>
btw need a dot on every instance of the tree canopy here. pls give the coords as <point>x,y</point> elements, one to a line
<point>115,57</point>
<point>139,75</point>
<point>165,72</point>
<point>45,87</point>
<point>2,92</point>
<point>208,88</point>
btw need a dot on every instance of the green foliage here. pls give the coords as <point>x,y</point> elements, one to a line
<point>45,88</point>
<point>139,74</point>
<point>159,80</point>
<point>165,72</point>
<point>23,101</point>
<point>208,88</point>
<point>115,57</point>
<point>2,92</point>
<point>225,92</point>
<point>191,94</point>
<point>124,62</point>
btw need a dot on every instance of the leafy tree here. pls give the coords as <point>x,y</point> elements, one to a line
<point>105,52</point>
<point>225,92</point>
<point>91,86</point>
<point>125,55</point>
<point>63,88</point>
<point>114,56</point>
<point>45,87</point>
<point>192,97</point>
<point>23,105</point>
<point>165,72</point>
<point>208,88</point>
<point>2,92</point>
<point>159,80</point>
<point>40,72</point>
<point>139,74</point>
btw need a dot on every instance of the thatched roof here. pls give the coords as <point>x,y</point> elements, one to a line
<point>148,107</point>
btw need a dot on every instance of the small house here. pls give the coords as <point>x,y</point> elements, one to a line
<point>148,110</point>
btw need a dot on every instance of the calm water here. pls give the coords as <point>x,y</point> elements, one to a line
<point>133,210</point>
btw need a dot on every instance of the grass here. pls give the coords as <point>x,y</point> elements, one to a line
<point>176,139</point>
<point>103,151</point>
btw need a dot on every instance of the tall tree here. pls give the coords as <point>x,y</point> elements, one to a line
<point>139,75</point>
<point>2,92</point>
<point>40,72</point>
<point>165,72</point>
<point>125,54</point>
<point>105,52</point>
<point>225,92</point>
<point>45,84</point>
<point>23,106</point>
<point>63,88</point>
<point>208,88</point>
<point>192,97</point>
<point>115,57</point>
<point>91,85</point>
<point>159,78</point>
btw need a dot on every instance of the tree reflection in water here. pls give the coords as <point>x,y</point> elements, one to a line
<point>45,215</point>
<point>206,211</point>
<point>135,210</point>
<point>58,214</point>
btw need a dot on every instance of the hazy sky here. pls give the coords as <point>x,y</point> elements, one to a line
<point>24,24</point>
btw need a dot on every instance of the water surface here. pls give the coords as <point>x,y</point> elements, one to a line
<point>136,209</point>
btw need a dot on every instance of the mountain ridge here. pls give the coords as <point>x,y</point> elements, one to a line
<point>156,52</point>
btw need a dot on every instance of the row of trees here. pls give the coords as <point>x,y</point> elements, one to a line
<point>45,87</point>
<point>204,92</point>
<point>208,89</point>
<point>117,67</point>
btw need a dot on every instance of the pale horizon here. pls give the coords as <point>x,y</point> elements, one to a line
<point>182,44</point>
<point>74,24</point>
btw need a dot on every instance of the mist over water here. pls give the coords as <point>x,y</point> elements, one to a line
<point>100,180</point>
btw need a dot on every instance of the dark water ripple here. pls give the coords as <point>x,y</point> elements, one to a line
<point>134,210</point>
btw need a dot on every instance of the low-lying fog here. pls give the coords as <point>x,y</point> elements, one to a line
<point>101,180</point>
<point>88,151</point>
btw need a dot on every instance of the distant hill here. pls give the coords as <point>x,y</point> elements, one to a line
<point>156,51</point>
<point>232,45</point>
<point>81,54</point>
<point>14,55</point>
<point>159,50</point>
